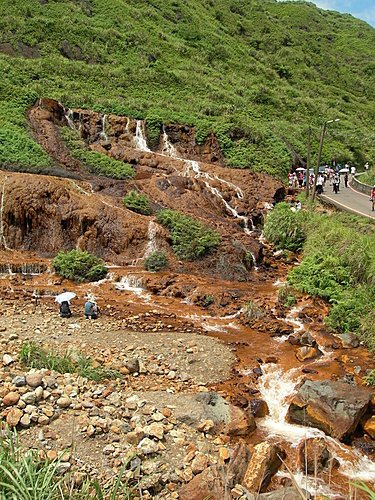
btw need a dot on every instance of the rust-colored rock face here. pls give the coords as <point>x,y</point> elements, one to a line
<point>47,214</point>
<point>334,407</point>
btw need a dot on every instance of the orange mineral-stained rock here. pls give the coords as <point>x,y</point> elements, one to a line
<point>263,465</point>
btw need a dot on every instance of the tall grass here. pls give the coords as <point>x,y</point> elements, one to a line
<point>35,356</point>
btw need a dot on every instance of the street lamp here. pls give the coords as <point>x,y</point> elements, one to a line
<point>324,127</point>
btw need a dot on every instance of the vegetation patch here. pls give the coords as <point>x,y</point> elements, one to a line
<point>191,239</point>
<point>79,266</point>
<point>156,261</point>
<point>96,162</point>
<point>137,202</point>
<point>286,229</point>
<point>338,264</point>
<point>35,356</point>
<point>283,67</point>
<point>25,474</point>
<point>286,297</point>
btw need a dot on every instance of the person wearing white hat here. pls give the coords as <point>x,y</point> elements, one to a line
<point>92,310</point>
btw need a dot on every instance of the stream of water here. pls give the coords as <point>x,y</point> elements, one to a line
<point>139,138</point>
<point>103,135</point>
<point>3,243</point>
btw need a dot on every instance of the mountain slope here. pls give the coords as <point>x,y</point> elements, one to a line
<point>258,73</point>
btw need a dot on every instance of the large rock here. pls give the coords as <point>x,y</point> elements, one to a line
<point>314,456</point>
<point>369,426</point>
<point>305,353</point>
<point>215,481</point>
<point>334,407</point>
<point>265,462</point>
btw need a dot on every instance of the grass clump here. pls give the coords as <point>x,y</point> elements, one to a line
<point>191,239</point>
<point>79,266</point>
<point>35,356</point>
<point>286,297</point>
<point>96,162</point>
<point>156,261</point>
<point>137,202</point>
<point>253,312</point>
<point>24,475</point>
<point>286,229</point>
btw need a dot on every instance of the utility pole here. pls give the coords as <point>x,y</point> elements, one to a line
<point>308,162</point>
<point>324,127</point>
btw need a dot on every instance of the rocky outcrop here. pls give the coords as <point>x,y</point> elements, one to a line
<point>265,462</point>
<point>334,407</point>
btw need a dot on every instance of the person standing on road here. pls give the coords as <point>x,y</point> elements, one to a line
<point>346,179</point>
<point>372,198</point>
<point>336,183</point>
<point>352,171</point>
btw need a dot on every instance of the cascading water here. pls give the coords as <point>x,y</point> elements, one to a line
<point>168,148</point>
<point>139,138</point>
<point>133,284</point>
<point>103,135</point>
<point>276,388</point>
<point>151,239</point>
<point>194,166</point>
<point>3,243</point>
<point>68,113</point>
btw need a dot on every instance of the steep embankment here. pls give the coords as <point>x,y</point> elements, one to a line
<point>258,73</point>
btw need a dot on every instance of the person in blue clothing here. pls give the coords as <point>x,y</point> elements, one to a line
<point>92,310</point>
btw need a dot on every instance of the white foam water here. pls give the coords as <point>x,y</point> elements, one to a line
<point>133,284</point>
<point>68,113</point>
<point>139,138</point>
<point>103,135</point>
<point>3,242</point>
<point>168,148</point>
<point>151,245</point>
<point>276,388</point>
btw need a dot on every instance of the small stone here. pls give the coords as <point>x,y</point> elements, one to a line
<point>132,365</point>
<point>90,430</point>
<point>13,336</point>
<point>62,468</point>
<point>19,381</point>
<point>14,416</point>
<point>64,402</point>
<point>171,375</point>
<point>224,454</point>
<point>43,420</point>
<point>25,421</point>
<point>39,393</point>
<point>199,463</point>
<point>109,449</point>
<point>11,398</point>
<point>167,412</point>
<point>29,398</point>
<point>34,379</point>
<point>7,360</point>
<point>147,446</point>
<point>154,430</point>
<point>51,455</point>
<point>206,425</point>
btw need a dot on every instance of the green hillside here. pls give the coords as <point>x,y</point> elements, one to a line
<point>257,72</point>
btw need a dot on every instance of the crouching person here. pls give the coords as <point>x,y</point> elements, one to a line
<point>65,311</point>
<point>92,310</point>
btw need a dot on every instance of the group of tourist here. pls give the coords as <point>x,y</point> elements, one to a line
<point>299,178</point>
<point>91,309</point>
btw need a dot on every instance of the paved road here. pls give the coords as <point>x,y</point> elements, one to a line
<point>350,200</point>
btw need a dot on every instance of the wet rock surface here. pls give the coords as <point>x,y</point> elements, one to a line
<point>334,407</point>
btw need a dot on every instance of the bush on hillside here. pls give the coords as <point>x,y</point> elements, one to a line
<point>96,162</point>
<point>79,266</point>
<point>191,238</point>
<point>156,261</point>
<point>286,229</point>
<point>137,202</point>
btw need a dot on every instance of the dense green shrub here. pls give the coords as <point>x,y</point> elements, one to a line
<point>137,202</point>
<point>286,229</point>
<point>339,266</point>
<point>79,266</point>
<point>156,261</point>
<point>191,238</point>
<point>96,162</point>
